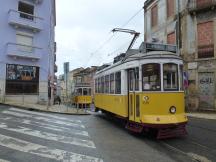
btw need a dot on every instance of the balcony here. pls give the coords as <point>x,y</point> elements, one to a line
<point>201,5</point>
<point>23,20</point>
<point>23,51</point>
<point>55,68</point>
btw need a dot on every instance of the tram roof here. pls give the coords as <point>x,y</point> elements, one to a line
<point>137,55</point>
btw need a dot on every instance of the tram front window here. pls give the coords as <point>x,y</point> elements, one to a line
<point>151,77</point>
<point>170,76</point>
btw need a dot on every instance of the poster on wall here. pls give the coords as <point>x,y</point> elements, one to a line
<point>22,72</point>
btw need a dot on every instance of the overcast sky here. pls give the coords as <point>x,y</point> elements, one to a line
<point>83,28</point>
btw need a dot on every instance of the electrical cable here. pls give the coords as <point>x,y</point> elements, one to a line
<point>111,37</point>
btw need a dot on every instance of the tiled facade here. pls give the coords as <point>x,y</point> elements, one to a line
<point>197,39</point>
<point>27,51</point>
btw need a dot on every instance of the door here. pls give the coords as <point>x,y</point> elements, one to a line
<point>134,96</point>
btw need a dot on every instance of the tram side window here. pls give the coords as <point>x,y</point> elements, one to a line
<point>151,77</point>
<point>99,85</point>
<point>85,91</point>
<point>112,83</point>
<point>118,83</point>
<point>107,84</point>
<point>136,78</point>
<point>170,76</point>
<point>102,84</point>
<point>96,86</point>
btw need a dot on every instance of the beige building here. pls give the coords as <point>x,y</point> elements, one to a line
<point>196,40</point>
<point>85,78</point>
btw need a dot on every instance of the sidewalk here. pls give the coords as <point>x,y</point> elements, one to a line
<point>202,115</point>
<point>62,109</point>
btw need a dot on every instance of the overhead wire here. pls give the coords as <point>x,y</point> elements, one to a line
<point>111,37</point>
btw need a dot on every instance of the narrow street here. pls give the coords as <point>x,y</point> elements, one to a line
<point>35,136</point>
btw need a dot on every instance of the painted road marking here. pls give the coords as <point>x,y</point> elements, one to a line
<point>43,151</point>
<point>50,136</point>
<point>46,115</point>
<point>46,126</point>
<point>2,160</point>
<point>44,119</point>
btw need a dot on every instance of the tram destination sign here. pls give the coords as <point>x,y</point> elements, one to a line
<point>158,47</point>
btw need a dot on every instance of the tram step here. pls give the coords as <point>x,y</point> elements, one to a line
<point>134,127</point>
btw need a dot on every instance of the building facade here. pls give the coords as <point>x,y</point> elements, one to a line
<point>195,34</point>
<point>27,51</point>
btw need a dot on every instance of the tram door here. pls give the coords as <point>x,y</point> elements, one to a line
<point>133,98</point>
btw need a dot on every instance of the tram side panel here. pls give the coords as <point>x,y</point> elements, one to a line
<point>116,104</point>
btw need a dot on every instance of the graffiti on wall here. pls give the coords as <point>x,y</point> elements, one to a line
<point>206,89</point>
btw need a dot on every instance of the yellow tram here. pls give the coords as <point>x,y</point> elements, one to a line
<point>82,97</point>
<point>144,87</point>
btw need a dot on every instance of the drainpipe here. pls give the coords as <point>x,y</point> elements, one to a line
<point>178,27</point>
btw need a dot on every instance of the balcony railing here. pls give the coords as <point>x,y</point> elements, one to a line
<point>25,20</point>
<point>200,5</point>
<point>23,51</point>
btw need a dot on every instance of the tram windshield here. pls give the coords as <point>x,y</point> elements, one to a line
<point>171,78</point>
<point>151,77</point>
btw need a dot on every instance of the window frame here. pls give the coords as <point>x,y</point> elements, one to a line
<point>118,82</point>
<point>107,87</point>
<point>112,80</point>
<point>177,79</point>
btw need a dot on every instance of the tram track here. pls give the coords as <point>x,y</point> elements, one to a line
<point>192,156</point>
<point>208,129</point>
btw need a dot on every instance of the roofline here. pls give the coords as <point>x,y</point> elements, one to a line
<point>147,3</point>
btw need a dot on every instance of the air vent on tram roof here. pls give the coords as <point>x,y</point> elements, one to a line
<point>119,57</point>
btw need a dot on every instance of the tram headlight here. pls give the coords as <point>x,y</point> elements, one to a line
<point>172,109</point>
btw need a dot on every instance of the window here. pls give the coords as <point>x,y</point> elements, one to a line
<point>151,77</point>
<point>170,8</point>
<point>107,84</point>
<point>170,76</point>
<point>136,79</point>
<point>154,16</point>
<point>99,85</point>
<point>102,84</point>
<point>86,91</point>
<point>181,77</point>
<point>79,91</point>
<point>118,83</point>
<point>131,80</point>
<point>205,32</point>
<point>96,86</point>
<point>26,10</point>
<point>171,38</point>
<point>112,84</point>
<point>24,42</point>
<point>22,79</point>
